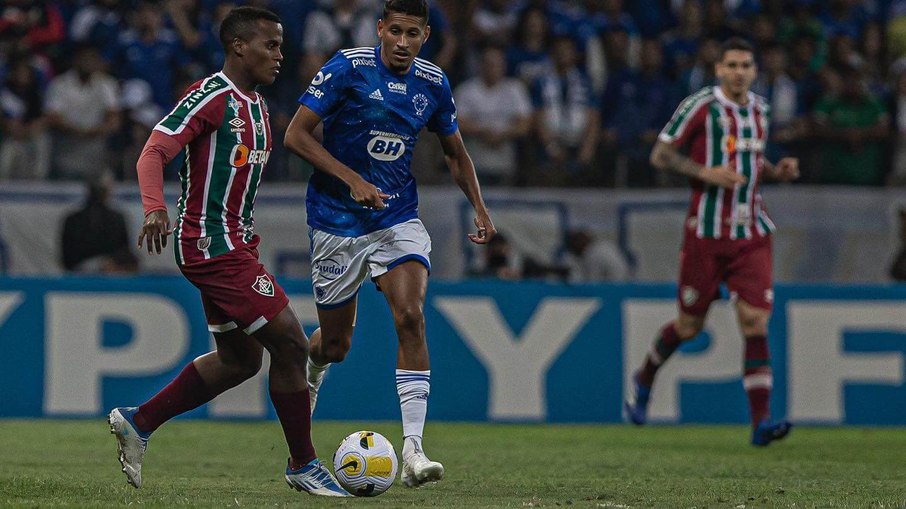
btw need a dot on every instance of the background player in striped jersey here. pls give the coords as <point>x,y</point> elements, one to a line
<point>362,202</point>
<point>223,124</point>
<point>727,238</point>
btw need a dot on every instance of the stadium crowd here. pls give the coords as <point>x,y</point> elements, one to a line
<point>550,93</point>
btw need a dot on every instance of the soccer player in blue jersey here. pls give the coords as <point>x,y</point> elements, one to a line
<point>362,202</point>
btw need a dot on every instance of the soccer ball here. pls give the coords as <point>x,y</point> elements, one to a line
<point>365,464</point>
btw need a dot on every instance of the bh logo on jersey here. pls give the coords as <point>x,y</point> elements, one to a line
<point>384,148</point>
<point>242,155</point>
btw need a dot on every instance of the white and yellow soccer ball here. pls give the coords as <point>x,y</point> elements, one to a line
<point>365,464</point>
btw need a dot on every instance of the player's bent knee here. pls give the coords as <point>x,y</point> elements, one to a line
<point>410,319</point>
<point>247,368</point>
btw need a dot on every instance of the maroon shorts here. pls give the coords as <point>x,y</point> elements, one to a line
<point>744,265</point>
<point>236,291</point>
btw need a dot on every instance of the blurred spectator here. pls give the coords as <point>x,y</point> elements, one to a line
<point>617,55</point>
<point>149,52</point>
<point>804,66</point>
<point>97,23</point>
<point>701,74</point>
<point>635,106</point>
<point>82,108</point>
<point>898,109</point>
<point>493,112</point>
<point>801,22</point>
<point>874,57</point>
<point>502,261</point>
<point>440,48</point>
<point>717,22</point>
<point>566,114</point>
<point>898,267</point>
<point>591,259</point>
<point>614,41</point>
<point>95,238</point>
<point>779,89</point>
<point>852,126</point>
<point>652,16</point>
<point>681,43</point>
<point>528,58</point>
<point>841,51</point>
<point>896,29</point>
<point>37,25</point>
<point>347,25</point>
<point>24,143</point>
<point>494,22</point>
<point>844,17</point>
<point>199,32</point>
<point>763,30</point>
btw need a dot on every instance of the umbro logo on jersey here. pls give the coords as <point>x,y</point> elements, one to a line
<point>237,124</point>
<point>377,95</point>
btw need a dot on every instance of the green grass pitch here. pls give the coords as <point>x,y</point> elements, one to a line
<point>46,463</point>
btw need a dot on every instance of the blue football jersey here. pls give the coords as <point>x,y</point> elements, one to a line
<point>372,117</point>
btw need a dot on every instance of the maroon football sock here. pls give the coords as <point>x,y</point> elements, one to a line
<point>185,392</point>
<point>663,347</point>
<point>757,377</point>
<point>294,411</point>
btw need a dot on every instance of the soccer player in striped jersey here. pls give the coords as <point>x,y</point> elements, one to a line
<point>223,124</point>
<point>362,202</point>
<point>723,130</point>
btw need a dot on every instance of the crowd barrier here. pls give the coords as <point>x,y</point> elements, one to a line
<point>523,352</point>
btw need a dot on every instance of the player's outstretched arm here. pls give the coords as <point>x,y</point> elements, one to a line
<point>463,172</point>
<point>666,157</point>
<point>159,150</point>
<point>300,141</point>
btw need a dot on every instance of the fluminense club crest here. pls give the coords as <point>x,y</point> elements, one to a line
<point>264,286</point>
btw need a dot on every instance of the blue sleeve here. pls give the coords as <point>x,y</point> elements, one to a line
<point>443,121</point>
<point>326,90</point>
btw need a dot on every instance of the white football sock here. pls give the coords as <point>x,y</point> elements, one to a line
<point>413,388</point>
<point>316,371</point>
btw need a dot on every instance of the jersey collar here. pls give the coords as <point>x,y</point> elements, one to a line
<point>386,70</point>
<point>236,89</point>
<point>723,99</point>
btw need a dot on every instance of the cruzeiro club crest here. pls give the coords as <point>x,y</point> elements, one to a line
<point>264,286</point>
<point>420,102</point>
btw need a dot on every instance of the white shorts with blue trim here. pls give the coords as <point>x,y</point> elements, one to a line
<point>339,265</point>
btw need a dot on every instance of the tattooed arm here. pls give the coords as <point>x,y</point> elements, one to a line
<point>666,157</point>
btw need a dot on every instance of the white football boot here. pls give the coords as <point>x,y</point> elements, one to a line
<point>130,442</point>
<point>418,469</point>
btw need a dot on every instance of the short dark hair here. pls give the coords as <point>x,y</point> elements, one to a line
<point>240,23</point>
<point>418,8</point>
<point>736,43</point>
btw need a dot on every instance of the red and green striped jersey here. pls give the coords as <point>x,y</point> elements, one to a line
<point>227,137</point>
<point>718,132</point>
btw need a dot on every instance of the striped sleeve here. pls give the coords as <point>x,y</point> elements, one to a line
<point>199,111</point>
<point>688,119</point>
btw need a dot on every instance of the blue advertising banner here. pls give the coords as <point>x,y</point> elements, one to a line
<point>527,352</point>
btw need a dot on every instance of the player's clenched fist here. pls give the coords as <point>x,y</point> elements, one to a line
<point>485,227</point>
